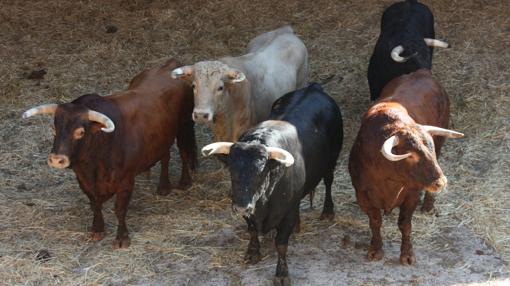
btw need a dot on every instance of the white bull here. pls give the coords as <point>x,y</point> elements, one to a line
<point>233,94</point>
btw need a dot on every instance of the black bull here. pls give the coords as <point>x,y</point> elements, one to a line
<point>278,162</point>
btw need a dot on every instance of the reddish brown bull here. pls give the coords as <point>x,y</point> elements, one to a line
<point>108,140</point>
<point>410,118</point>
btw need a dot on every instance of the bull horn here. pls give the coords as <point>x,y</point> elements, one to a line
<point>388,145</point>
<point>103,119</point>
<point>41,109</point>
<point>182,71</point>
<point>437,131</point>
<point>280,155</point>
<point>436,43</point>
<point>217,148</point>
<point>234,76</point>
<point>395,54</point>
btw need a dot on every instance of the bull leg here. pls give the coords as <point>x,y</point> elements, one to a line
<point>281,241</point>
<point>185,180</point>
<point>328,211</point>
<point>164,182</point>
<point>96,205</point>
<point>428,203</point>
<point>253,255</point>
<point>297,226</point>
<point>187,146</point>
<point>121,204</point>
<point>311,196</point>
<point>404,224</point>
<point>375,251</point>
<point>97,230</point>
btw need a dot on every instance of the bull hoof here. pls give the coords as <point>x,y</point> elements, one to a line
<point>183,186</point>
<point>123,242</point>
<point>428,209</point>
<point>163,191</point>
<point>375,254</point>
<point>281,281</point>
<point>96,236</point>
<point>407,258</point>
<point>328,216</point>
<point>252,257</point>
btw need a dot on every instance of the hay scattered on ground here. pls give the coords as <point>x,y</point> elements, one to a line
<point>42,208</point>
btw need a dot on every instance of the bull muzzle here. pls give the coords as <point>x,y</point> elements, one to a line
<point>437,186</point>
<point>243,211</point>
<point>202,116</point>
<point>58,161</point>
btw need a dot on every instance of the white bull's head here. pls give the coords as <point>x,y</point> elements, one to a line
<point>208,80</point>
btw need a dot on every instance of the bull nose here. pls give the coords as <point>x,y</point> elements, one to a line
<point>58,161</point>
<point>438,185</point>
<point>243,211</point>
<point>201,116</point>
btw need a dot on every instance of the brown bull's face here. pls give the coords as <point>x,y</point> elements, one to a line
<point>71,126</point>
<point>421,166</point>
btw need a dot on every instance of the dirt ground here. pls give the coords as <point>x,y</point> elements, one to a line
<point>190,237</point>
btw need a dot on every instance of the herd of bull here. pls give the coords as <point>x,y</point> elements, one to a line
<point>278,135</point>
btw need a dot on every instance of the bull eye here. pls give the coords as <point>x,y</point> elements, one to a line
<point>220,88</point>
<point>193,86</point>
<point>79,133</point>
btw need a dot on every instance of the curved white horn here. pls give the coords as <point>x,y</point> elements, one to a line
<point>388,145</point>
<point>395,54</point>
<point>182,71</point>
<point>438,131</point>
<point>41,109</point>
<point>436,43</point>
<point>280,155</point>
<point>217,148</point>
<point>103,119</point>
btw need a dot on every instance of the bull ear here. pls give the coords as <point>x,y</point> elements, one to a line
<point>217,148</point>
<point>184,72</point>
<point>280,155</point>
<point>234,76</point>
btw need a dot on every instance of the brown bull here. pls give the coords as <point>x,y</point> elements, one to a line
<point>108,140</point>
<point>394,156</point>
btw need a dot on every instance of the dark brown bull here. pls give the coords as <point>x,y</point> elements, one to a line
<point>410,118</point>
<point>108,140</point>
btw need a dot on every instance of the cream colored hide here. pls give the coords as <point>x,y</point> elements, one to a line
<point>233,94</point>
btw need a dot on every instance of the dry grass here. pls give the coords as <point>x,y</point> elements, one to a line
<point>42,208</point>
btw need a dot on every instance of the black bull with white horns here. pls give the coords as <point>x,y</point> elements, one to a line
<point>405,44</point>
<point>278,162</point>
